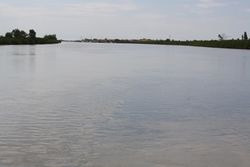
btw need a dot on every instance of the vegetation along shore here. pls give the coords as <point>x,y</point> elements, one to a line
<point>20,37</point>
<point>221,42</point>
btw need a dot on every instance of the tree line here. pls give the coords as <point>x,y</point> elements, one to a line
<point>233,44</point>
<point>222,42</point>
<point>20,37</point>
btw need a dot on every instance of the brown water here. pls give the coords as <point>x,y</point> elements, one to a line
<point>108,105</point>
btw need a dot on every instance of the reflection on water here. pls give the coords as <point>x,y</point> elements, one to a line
<point>106,105</point>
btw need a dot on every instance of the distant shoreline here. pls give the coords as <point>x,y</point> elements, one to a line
<point>226,44</point>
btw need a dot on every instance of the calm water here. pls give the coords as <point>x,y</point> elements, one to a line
<point>107,105</point>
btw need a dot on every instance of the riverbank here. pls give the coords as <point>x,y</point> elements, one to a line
<point>38,41</point>
<point>230,44</point>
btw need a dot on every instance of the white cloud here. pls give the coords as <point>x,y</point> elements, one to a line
<point>210,3</point>
<point>17,11</point>
<point>98,8</point>
<point>81,9</point>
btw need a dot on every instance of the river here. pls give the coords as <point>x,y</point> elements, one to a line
<point>114,105</point>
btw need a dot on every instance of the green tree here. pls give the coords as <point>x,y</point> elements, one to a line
<point>32,34</point>
<point>245,37</point>
<point>8,35</point>
<point>23,34</point>
<point>50,37</point>
<point>16,33</point>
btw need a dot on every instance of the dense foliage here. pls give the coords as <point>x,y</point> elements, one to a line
<point>20,37</point>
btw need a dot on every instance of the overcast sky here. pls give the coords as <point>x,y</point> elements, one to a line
<point>180,19</point>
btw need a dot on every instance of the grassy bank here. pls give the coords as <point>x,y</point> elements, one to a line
<point>233,44</point>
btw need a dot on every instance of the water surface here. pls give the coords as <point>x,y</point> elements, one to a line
<point>110,105</point>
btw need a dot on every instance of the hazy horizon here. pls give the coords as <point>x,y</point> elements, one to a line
<point>128,19</point>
